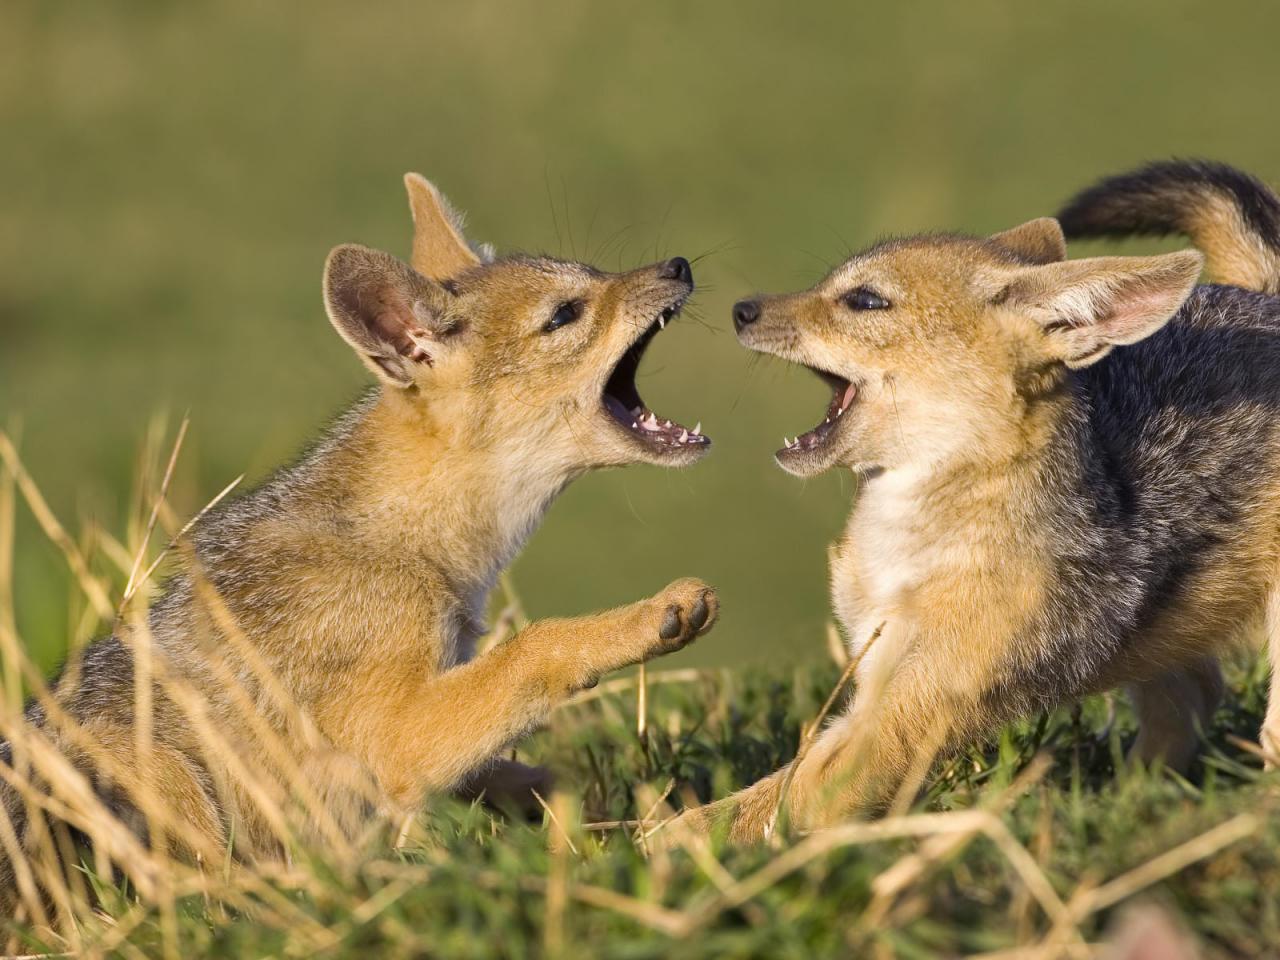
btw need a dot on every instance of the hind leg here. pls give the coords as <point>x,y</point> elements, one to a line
<point>176,798</point>
<point>1270,734</point>
<point>1173,708</point>
<point>905,713</point>
<point>34,864</point>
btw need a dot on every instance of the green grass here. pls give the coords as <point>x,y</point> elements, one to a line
<point>1046,820</point>
<point>477,884</point>
<point>173,175</point>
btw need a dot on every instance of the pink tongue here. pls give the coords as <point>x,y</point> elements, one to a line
<point>847,398</point>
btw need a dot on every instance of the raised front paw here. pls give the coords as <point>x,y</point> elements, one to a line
<point>685,610</point>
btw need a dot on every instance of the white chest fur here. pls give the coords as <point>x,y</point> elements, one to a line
<point>888,551</point>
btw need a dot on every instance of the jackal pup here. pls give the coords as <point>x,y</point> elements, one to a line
<point>1070,478</point>
<point>359,576</point>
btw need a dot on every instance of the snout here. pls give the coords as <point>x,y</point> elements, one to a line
<point>677,268</point>
<point>745,313</point>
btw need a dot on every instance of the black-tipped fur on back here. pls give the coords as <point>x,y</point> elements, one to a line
<point>1233,217</point>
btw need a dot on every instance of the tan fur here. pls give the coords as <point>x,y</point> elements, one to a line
<point>323,630</point>
<point>439,249</point>
<point>961,385</point>
<point>1230,216</point>
<point>478,708</point>
<point>1270,736</point>
<point>1036,241</point>
<point>1233,253</point>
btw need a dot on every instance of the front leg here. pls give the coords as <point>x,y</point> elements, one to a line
<point>856,767</point>
<point>426,733</point>
<point>748,816</point>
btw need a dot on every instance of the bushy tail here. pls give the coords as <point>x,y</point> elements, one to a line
<point>1232,217</point>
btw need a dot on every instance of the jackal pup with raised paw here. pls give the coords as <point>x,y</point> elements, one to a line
<point>358,578</point>
<point>1069,478</point>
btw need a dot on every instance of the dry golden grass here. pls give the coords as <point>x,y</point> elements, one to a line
<point>123,895</point>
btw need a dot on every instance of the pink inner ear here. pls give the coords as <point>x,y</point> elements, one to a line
<point>419,353</point>
<point>390,325</point>
<point>1134,313</point>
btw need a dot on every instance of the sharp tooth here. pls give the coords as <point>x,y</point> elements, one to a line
<point>634,425</point>
<point>662,322</point>
<point>666,423</point>
<point>684,436</point>
<point>697,428</point>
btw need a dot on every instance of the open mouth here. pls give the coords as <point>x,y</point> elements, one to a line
<point>623,401</point>
<point>843,394</point>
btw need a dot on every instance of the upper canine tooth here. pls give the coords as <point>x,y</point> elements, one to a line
<point>697,428</point>
<point>662,322</point>
<point>684,436</point>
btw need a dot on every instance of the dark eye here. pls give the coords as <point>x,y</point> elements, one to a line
<point>565,313</point>
<point>864,299</point>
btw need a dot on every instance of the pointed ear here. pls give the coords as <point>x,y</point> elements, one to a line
<point>390,315</point>
<point>440,251</point>
<point>1036,241</point>
<point>1086,307</point>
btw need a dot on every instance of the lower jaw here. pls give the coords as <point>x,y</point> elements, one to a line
<point>656,438</point>
<point>808,460</point>
<point>818,441</point>
<point>641,452</point>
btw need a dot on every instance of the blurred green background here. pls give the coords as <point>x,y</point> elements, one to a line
<point>172,175</point>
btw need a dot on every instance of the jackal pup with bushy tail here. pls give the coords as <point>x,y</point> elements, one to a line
<point>357,579</point>
<point>1070,478</point>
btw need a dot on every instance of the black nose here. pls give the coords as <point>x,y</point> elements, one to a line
<point>677,268</point>
<point>745,313</point>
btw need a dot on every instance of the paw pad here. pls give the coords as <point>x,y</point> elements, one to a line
<point>670,628</point>
<point>698,615</point>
